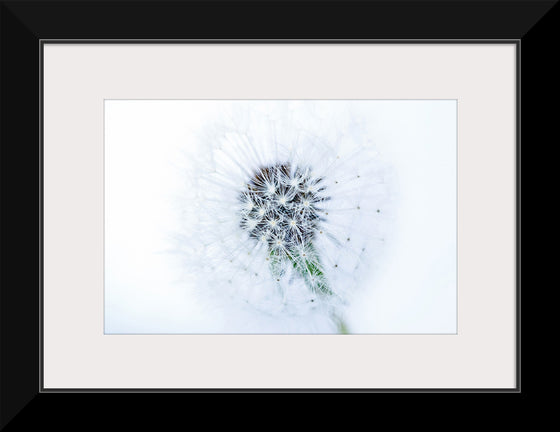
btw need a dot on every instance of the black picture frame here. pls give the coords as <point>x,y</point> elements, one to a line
<point>25,26</point>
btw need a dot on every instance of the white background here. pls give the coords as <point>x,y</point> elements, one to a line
<point>77,79</point>
<point>149,145</point>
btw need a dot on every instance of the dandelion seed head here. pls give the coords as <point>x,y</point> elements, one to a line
<point>283,215</point>
<point>276,204</point>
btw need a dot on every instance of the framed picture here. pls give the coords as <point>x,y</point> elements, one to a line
<point>242,206</point>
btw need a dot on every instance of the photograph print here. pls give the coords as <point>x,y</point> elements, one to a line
<point>280,216</point>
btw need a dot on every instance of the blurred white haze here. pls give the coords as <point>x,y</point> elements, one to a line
<point>154,148</point>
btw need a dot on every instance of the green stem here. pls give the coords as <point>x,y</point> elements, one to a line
<point>308,265</point>
<point>341,326</point>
